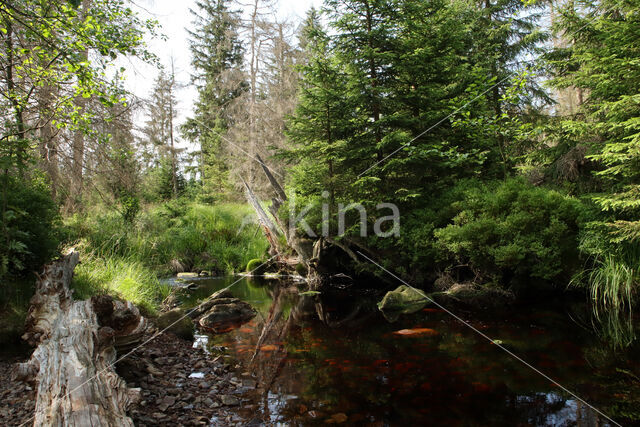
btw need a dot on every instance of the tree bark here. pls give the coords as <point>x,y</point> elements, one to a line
<point>72,364</point>
<point>77,170</point>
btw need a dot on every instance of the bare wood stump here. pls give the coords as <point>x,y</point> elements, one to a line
<point>72,364</point>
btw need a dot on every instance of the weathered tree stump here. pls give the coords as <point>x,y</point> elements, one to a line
<point>72,364</point>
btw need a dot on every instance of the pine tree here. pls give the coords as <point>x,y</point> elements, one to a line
<point>217,57</point>
<point>601,60</point>
<point>321,123</point>
<point>159,130</point>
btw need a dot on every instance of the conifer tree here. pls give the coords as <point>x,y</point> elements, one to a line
<point>601,60</point>
<point>217,57</point>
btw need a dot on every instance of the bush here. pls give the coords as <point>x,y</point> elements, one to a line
<point>30,226</point>
<point>125,278</point>
<point>510,232</point>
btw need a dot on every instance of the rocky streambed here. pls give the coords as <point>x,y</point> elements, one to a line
<point>183,386</point>
<point>180,384</point>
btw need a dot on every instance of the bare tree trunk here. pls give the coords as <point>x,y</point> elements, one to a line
<point>174,172</point>
<point>73,362</point>
<point>48,143</point>
<point>77,177</point>
<point>18,109</point>
<point>253,76</point>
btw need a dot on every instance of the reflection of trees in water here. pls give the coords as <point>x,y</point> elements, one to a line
<point>307,353</point>
<point>287,312</point>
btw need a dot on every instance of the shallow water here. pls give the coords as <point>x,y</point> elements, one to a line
<point>335,358</point>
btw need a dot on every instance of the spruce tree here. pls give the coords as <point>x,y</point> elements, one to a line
<point>217,56</point>
<point>601,60</point>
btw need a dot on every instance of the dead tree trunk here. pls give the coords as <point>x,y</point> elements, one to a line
<point>310,252</point>
<point>72,364</point>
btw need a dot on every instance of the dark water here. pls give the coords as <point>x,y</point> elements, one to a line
<point>330,358</point>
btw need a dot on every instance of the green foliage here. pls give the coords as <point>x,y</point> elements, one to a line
<point>613,281</point>
<point>157,183</point>
<point>514,231</point>
<point>217,55</point>
<point>30,226</point>
<point>601,63</point>
<point>197,237</point>
<point>253,265</point>
<point>124,277</point>
<point>612,284</point>
<point>130,207</point>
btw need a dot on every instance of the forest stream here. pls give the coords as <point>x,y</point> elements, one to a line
<point>336,359</point>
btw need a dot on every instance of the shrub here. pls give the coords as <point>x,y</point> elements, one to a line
<point>30,226</point>
<point>199,237</point>
<point>513,231</point>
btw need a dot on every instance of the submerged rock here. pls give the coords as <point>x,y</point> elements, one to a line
<point>227,311</point>
<point>210,302</point>
<point>403,299</point>
<point>221,310</point>
<point>474,297</point>
<point>189,275</point>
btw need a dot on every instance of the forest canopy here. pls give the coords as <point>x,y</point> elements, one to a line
<point>506,132</point>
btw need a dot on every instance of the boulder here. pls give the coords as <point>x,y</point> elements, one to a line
<point>225,312</point>
<point>189,275</point>
<point>210,302</point>
<point>177,323</point>
<point>403,299</point>
<point>474,297</point>
<point>222,310</point>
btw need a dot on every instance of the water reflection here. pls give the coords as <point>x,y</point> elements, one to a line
<point>318,359</point>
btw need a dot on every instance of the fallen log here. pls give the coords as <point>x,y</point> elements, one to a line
<point>72,364</point>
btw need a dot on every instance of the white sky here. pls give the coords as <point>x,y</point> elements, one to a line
<point>174,17</point>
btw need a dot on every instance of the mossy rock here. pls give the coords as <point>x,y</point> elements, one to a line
<point>301,269</point>
<point>475,297</point>
<point>187,275</point>
<point>255,266</point>
<point>403,299</point>
<point>183,328</point>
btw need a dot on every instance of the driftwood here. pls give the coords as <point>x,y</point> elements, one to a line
<point>72,364</point>
<point>270,230</point>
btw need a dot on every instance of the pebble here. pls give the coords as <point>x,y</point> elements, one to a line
<point>229,400</point>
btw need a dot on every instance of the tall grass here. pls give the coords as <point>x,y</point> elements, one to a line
<point>125,278</point>
<point>611,284</point>
<point>126,257</point>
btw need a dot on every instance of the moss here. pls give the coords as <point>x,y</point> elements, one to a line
<point>255,266</point>
<point>404,299</point>
<point>301,269</point>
